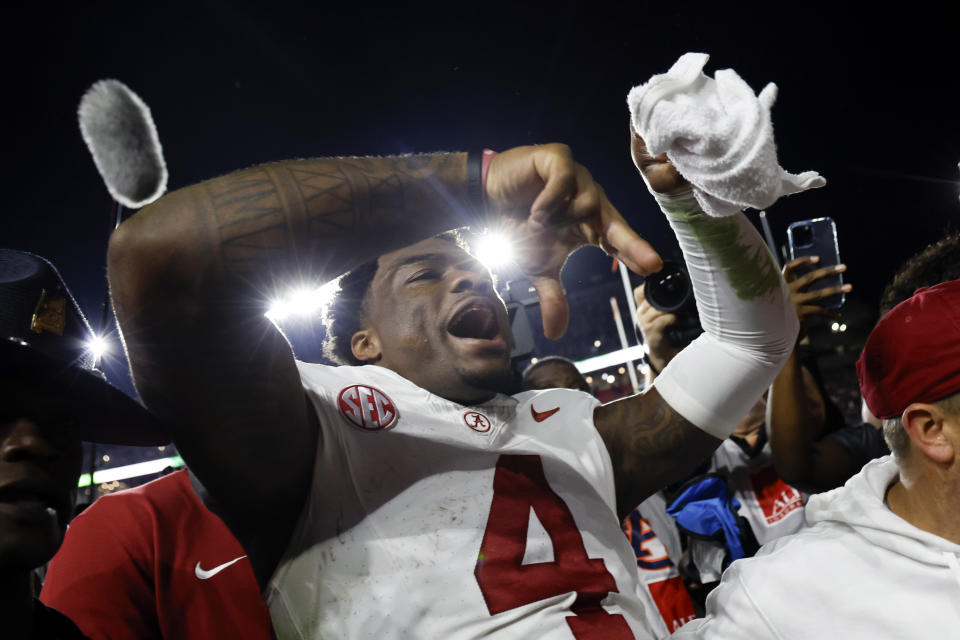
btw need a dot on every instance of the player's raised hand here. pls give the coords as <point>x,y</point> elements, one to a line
<point>806,302</point>
<point>658,172</point>
<point>551,206</point>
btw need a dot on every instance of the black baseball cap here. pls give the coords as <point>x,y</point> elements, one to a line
<point>45,340</point>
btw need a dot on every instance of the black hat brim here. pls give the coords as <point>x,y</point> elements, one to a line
<point>103,412</point>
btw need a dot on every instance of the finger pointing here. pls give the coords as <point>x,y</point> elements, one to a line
<point>553,306</point>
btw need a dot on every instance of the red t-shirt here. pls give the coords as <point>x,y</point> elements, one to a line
<point>153,562</point>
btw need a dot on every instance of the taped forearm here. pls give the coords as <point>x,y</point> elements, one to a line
<point>749,324</point>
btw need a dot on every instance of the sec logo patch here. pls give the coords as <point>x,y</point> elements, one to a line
<point>367,408</point>
<point>476,421</point>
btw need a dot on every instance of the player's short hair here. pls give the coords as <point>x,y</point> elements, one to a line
<point>346,313</point>
<point>939,262</point>
<point>897,437</point>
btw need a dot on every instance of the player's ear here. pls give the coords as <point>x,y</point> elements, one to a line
<point>365,345</point>
<point>931,431</point>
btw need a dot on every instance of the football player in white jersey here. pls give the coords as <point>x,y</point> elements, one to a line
<point>409,498</point>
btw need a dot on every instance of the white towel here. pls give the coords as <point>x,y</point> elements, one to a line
<point>717,133</point>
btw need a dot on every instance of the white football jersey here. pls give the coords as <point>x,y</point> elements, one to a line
<point>430,519</point>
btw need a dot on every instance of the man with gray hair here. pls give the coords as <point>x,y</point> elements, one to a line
<point>883,556</point>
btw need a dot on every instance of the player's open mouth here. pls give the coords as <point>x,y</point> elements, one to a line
<point>476,320</point>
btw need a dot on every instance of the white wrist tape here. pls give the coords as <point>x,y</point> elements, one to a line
<point>749,323</point>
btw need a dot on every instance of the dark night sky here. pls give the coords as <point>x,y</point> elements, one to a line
<point>868,97</point>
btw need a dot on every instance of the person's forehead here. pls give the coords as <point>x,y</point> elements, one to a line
<point>431,249</point>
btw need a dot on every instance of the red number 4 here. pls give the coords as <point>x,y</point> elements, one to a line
<point>506,583</point>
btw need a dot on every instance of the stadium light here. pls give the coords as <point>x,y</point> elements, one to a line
<point>611,359</point>
<point>835,327</point>
<point>493,249</point>
<point>302,302</point>
<point>98,346</point>
<point>130,471</point>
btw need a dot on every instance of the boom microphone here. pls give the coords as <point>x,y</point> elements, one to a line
<point>119,131</point>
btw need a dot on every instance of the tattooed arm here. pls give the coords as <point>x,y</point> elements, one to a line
<point>190,274</point>
<point>650,445</point>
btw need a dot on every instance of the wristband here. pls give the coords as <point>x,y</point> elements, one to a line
<point>485,169</point>
<point>475,179</point>
<point>478,166</point>
<point>647,361</point>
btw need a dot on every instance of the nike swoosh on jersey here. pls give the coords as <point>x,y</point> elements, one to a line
<point>204,575</point>
<point>540,416</point>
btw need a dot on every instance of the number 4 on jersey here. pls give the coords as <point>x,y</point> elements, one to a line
<point>519,484</point>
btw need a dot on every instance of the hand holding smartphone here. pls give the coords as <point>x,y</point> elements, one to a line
<point>817,237</point>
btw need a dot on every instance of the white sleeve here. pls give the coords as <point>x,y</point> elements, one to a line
<point>749,323</point>
<point>731,613</point>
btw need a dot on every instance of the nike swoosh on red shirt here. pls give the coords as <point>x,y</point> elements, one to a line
<point>540,416</point>
<point>207,574</point>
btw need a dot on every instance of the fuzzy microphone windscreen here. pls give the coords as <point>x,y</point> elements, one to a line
<point>119,131</point>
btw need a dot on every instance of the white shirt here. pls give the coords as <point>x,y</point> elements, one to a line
<point>859,572</point>
<point>429,519</point>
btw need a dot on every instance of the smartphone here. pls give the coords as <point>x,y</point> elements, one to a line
<point>817,237</point>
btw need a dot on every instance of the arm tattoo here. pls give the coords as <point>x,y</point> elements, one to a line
<point>650,444</point>
<point>278,208</point>
<point>661,431</point>
<point>249,217</point>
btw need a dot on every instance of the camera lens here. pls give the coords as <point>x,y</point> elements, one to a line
<point>802,236</point>
<point>669,289</point>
